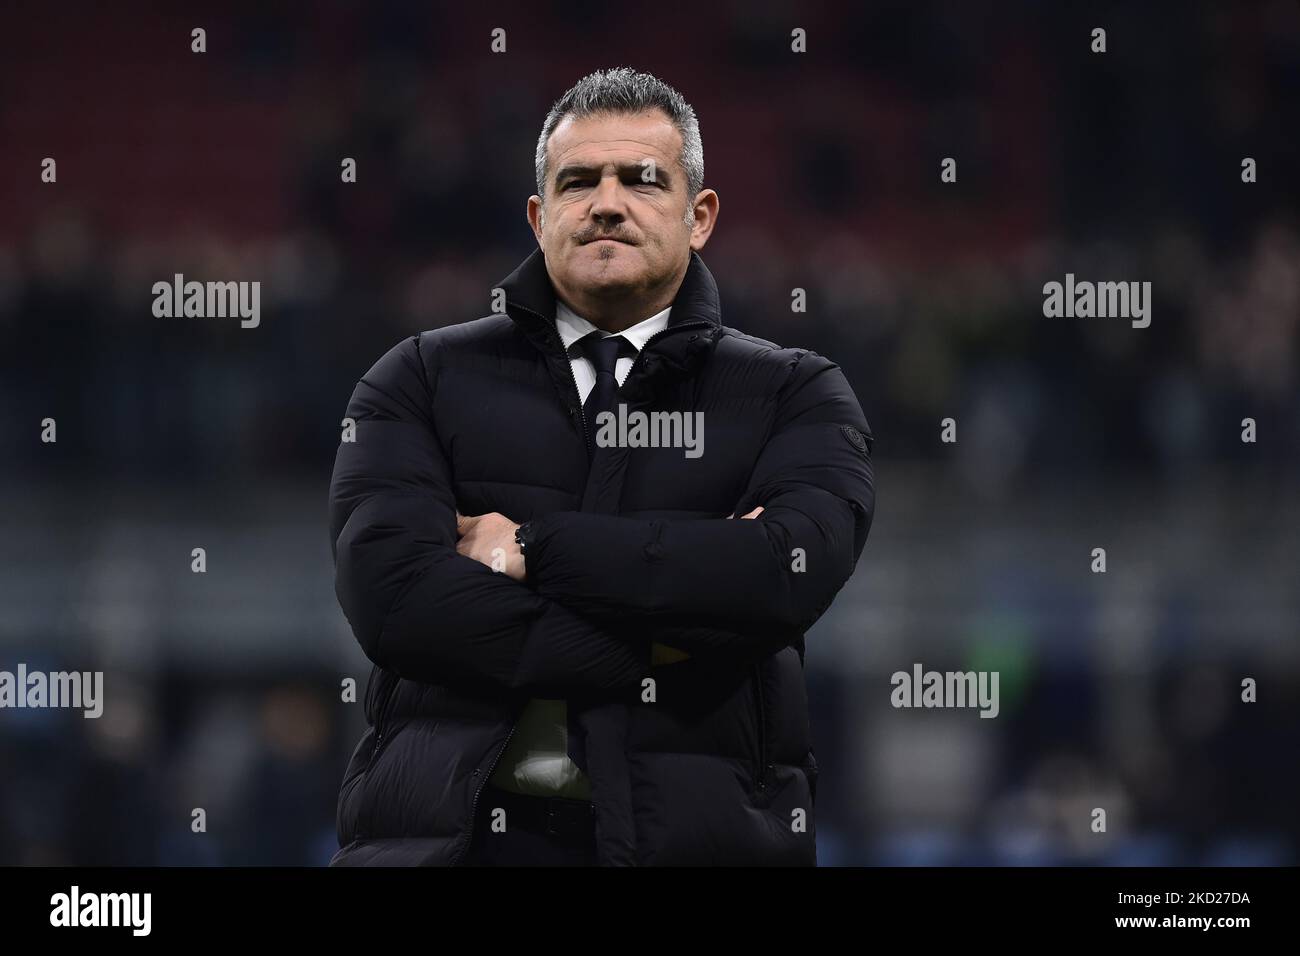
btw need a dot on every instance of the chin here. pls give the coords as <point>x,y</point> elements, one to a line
<point>612,272</point>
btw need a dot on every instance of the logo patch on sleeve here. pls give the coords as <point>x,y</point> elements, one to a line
<point>854,437</point>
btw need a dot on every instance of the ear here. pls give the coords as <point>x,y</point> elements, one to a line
<point>706,208</point>
<point>534,214</point>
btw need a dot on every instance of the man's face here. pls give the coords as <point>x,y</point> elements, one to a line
<point>614,224</point>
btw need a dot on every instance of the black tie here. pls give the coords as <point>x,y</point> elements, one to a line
<point>603,352</point>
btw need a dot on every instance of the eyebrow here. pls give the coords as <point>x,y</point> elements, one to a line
<point>565,172</point>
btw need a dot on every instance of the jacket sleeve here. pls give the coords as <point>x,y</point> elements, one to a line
<point>415,605</point>
<point>777,573</point>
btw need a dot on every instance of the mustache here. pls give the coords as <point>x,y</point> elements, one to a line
<point>586,237</point>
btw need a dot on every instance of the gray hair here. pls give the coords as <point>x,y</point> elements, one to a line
<point>623,90</point>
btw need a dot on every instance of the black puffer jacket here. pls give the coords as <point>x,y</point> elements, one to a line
<point>707,760</point>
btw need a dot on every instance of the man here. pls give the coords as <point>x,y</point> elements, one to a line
<point>580,659</point>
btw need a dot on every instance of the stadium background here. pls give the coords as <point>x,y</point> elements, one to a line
<point>1118,690</point>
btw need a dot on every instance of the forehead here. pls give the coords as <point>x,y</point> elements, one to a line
<point>604,137</point>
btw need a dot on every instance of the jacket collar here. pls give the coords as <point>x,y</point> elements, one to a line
<point>528,290</point>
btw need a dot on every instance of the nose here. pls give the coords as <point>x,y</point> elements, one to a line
<point>607,203</point>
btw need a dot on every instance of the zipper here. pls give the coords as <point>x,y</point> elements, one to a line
<point>575,407</point>
<point>761,775</point>
<point>381,728</point>
<point>381,721</point>
<point>811,771</point>
<point>473,805</point>
<point>554,338</point>
<point>575,410</point>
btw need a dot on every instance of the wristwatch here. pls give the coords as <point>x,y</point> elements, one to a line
<point>523,538</point>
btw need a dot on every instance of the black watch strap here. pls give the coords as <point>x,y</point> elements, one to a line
<point>524,536</point>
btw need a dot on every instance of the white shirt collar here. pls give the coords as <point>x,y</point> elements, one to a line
<point>573,326</point>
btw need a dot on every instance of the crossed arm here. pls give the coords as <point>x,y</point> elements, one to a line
<point>430,610</point>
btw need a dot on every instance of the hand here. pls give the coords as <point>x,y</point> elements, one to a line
<point>490,539</point>
<point>753,514</point>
